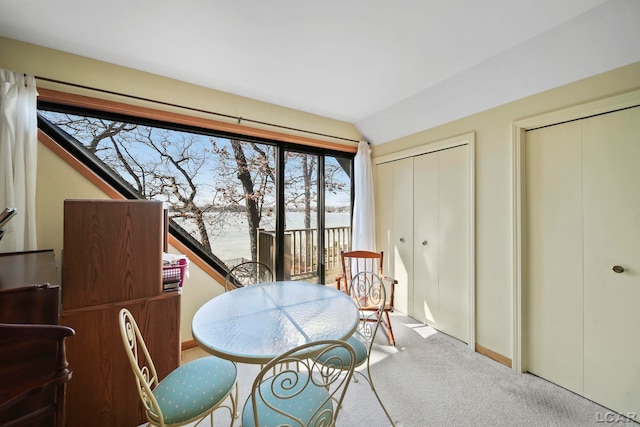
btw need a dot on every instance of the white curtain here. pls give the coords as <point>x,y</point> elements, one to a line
<point>363,236</point>
<point>18,152</point>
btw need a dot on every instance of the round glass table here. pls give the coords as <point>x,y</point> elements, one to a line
<point>256,323</point>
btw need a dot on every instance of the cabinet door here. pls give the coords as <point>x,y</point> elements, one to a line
<point>611,153</point>
<point>426,262</point>
<point>112,251</point>
<point>103,387</point>
<point>394,224</point>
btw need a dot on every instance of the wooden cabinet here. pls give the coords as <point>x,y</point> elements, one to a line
<point>113,259</point>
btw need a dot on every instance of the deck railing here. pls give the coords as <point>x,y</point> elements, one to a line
<point>301,255</point>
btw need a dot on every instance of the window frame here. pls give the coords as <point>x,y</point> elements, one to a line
<point>118,188</point>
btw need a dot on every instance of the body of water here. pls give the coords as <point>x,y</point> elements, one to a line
<point>234,240</point>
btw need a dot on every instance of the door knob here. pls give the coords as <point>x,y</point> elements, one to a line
<point>618,269</point>
<point>402,239</point>
<point>424,243</point>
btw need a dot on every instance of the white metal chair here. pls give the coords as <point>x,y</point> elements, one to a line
<point>246,274</point>
<point>368,291</point>
<point>189,393</point>
<point>310,395</point>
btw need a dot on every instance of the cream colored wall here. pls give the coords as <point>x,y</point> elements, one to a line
<point>57,181</point>
<point>57,65</point>
<point>494,254</point>
<point>494,189</point>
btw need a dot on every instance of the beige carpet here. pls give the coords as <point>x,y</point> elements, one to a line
<point>431,379</point>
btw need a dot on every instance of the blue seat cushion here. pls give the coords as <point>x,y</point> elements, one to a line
<point>330,357</point>
<point>292,393</point>
<point>194,388</point>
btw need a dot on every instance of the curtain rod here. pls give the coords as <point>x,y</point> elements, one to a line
<point>169,104</point>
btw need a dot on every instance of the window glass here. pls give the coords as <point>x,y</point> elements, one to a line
<point>221,191</point>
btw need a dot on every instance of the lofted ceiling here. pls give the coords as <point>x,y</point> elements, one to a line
<point>392,68</point>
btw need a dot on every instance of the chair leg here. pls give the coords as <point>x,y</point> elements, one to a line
<point>235,412</point>
<point>369,380</point>
<point>387,323</point>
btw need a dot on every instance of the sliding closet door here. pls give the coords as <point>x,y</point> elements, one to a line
<point>611,153</point>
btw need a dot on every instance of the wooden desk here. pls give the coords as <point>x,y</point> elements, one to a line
<point>256,323</point>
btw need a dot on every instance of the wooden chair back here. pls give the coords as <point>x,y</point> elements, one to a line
<point>354,262</point>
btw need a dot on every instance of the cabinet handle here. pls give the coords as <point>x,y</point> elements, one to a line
<point>424,243</point>
<point>618,269</point>
<point>402,239</point>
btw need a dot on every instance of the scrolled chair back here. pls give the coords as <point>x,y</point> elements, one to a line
<point>246,274</point>
<point>368,291</point>
<point>189,393</point>
<point>309,395</point>
<point>141,363</point>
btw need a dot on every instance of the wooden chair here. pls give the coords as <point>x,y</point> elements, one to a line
<point>308,396</point>
<point>246,274</point>
<point>368,291</point>
<point>354,262</point>
<point>192,392</point>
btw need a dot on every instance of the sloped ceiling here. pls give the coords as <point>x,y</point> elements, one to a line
<point>392,68</point>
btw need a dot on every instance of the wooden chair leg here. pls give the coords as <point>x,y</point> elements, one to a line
<point>392,339</point>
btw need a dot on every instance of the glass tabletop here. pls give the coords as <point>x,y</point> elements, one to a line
<point>256,323</point>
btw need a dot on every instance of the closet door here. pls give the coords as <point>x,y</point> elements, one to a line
<point>426,294</point>
<point>453,241</point>
<point>394,225</point>
<point>554,267</point>
<point>611,153</point>
<point>583,257</point>
<point>441,241</point>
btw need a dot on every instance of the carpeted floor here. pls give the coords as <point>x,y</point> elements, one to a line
<point>431,379</point>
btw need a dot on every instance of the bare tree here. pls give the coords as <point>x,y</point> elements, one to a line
<point>206,181</point>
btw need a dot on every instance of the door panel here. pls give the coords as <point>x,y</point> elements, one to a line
<point>301,214</point>
<point>425,272</point>
<point>453,241</point>
<point>554,273</point>
<point>394,221</point>
<point>612,237</point>
<point>402,238</point>
<point>383,184</point>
